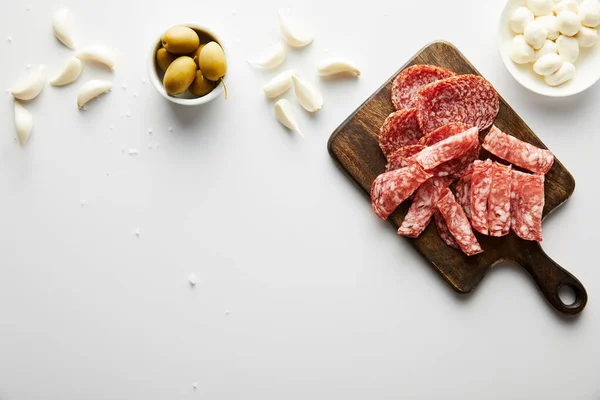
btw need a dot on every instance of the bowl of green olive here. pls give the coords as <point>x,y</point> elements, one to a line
<point>187,65</point>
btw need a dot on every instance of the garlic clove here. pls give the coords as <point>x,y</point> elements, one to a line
<point>279,84</point>
<point>272,58</point>
<point>23,122</point>
<point>335,66</point>
<point>61,24</point>
<point>285,115</point>
<point>69,74</point>
<point>30,87</point>
<point>101,54</point>
<point>91,90</point>
<point>293,34</point>
<point>308,96</point>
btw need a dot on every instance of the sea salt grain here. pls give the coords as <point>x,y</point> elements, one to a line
<point>133,152</point>
<point>193,279</point>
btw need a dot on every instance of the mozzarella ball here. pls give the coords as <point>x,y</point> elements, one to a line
<point>549,22</point>
<point>540,7</point>
<point>564,74</point>
<point>520,52</point>
<point>567,5</point>
<point>548,64</point>
<point>587,37</point>
<point>568,48</point>
<point>535,34</point>
<point>549,47</point>
<point>520,18</point>
<point>589,13</point>
<point>568,23</point>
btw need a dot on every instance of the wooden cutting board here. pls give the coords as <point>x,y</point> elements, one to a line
<point>355,148</point>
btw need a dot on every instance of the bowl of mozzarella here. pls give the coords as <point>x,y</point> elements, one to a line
<point>551,46</point>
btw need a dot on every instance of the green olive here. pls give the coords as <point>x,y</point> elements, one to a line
<point>196,54</point>
<point>201,87</point>
<point>180,75</point>
<point>164,58</point>
<point>212,61</point>
<point>180,40</point>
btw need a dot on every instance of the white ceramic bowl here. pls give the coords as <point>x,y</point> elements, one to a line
<point>155,74</point>
<point>588,63</point>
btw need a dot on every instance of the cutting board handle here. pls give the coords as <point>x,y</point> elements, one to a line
<point>550,278</point>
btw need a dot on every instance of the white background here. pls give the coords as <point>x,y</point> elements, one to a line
<point>325,301</point>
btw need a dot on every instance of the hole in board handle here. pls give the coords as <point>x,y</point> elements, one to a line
<point>566,294</point>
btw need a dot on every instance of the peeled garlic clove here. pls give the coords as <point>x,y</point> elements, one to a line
<point>272,58</point>
<point>61,23</point>
<point>334,66</point>
<point>91,90</point>
<point>307,95</point>
<point>293,34</point>
<point>30,87</point>
<point>23,122</point>
<point>285,115</point>
<point>101,54</point>
<point>69,74</point>
<point>279,84</point>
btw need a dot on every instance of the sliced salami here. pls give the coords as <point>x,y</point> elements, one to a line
<point>463,190</point>
<point>526,205</point>
<point>448,149</point>
<point>400,129</point>
<point>468,99</point>
<point>481,183</point>
<point>444,132</point>
<point>401,157</point>
<point>423,207</point>
<point>443,231</point>
<point>456,167</point>
<point>517,152</point>
<point>499,200</point>
<point>390,189</point>
<point>458,224</point>
<point>408,83</point>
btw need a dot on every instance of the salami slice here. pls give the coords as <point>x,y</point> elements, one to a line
<point>458,224</point>
<point>499,200</point>
<point>463,191</point>
<point>443,231</point>
<point>408,83</point>
<point>517,152</point>
<point>423,207</point>
<point>527,205</point>
<point>448,149</point>
<point>444,132</point>
<point>401,157</point>
<point>468,99</point>
<point>481,183</point>
<point>390,189</point>
<point>400,129</point>
<point>456,167</point>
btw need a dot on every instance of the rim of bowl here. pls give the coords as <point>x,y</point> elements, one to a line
<point>157,83</point>
<point>520,79</point>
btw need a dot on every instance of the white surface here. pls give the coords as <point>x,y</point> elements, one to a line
<point>586,75</point>
<point>324,300</point>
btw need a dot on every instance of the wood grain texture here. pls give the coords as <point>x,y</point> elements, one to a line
<point>354,146</point>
